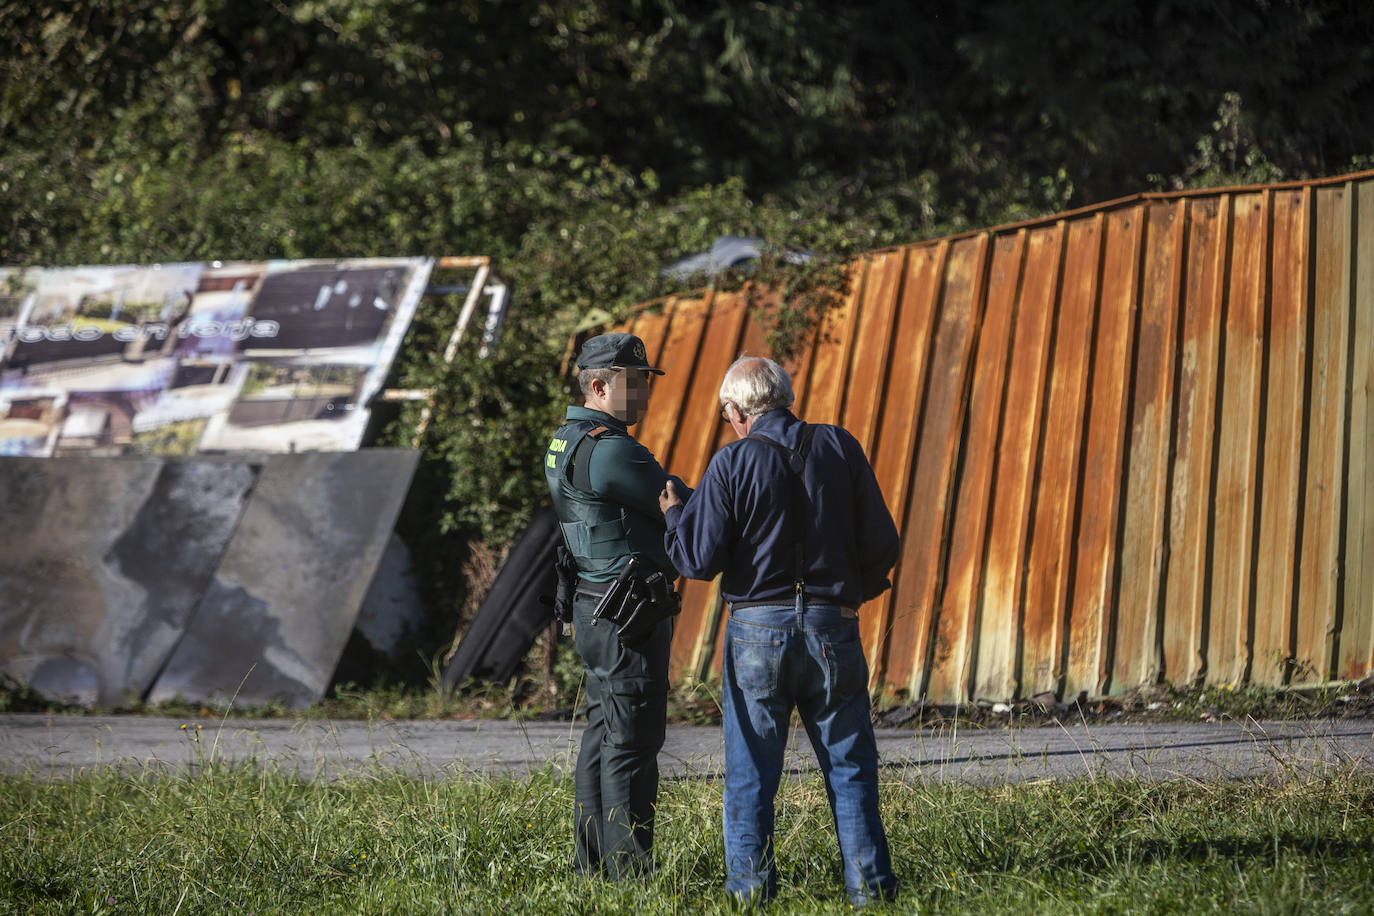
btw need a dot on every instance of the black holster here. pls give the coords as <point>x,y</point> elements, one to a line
<point>636,605</point>
<point>562,601</point>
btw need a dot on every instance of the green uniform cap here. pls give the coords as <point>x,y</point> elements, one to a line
<point>615,351</point>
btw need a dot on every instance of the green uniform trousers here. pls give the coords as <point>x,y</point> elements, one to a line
<point>616,784</point>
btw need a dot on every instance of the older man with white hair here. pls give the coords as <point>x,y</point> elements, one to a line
<point>792,517</point>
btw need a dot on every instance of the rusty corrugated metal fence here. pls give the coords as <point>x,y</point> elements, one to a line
<point>1125,444</point>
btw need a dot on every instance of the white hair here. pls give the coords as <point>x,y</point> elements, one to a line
<point>756,385</point>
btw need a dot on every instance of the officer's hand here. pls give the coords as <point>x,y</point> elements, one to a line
<point>668,498</point>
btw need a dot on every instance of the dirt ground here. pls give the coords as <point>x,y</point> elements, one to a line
<point>1144,706</point>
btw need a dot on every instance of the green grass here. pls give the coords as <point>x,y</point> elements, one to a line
<point>244,840</point>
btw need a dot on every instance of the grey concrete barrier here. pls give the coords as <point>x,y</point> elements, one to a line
<point>204,578</point>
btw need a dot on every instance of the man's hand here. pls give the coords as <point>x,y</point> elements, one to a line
<point>668,498</point>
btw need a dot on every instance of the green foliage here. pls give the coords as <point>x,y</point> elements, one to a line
<point>491,421</point>
<point>583,145</point>
<point>1227,154</point>
<point>492,416</point>
<point>161,129</point>
<point>17,697</point>
<point>170,439</point>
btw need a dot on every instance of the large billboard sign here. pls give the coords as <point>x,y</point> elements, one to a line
<point>199,358</point>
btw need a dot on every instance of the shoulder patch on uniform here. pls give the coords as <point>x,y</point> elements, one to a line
<point>596,433</point>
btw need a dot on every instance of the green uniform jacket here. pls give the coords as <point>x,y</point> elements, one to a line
<point>618,516</point>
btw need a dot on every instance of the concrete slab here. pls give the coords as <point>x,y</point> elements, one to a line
<point>58,746</point>
<point>102,562</point>
<point>276,616</point>
<point>392,609</point>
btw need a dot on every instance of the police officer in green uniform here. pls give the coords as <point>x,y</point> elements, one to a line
<point>605,488</point>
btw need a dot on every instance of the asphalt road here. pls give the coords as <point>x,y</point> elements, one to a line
<point>58,746</point>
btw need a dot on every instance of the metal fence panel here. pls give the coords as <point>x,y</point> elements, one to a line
<point>1123,445</point>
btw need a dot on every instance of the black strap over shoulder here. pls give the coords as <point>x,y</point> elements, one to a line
<point>796,459</point>
<point>796,463</point>
<point>582,459</point>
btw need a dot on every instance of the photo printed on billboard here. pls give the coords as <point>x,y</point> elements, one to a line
<point>196,358</point>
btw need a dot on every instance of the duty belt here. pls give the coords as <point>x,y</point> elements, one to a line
<point>594,589</point>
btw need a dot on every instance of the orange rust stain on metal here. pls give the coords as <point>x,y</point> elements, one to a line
<point>1145,521</point>
<point>960,612</point>
<point>1356,637</point>
<point>1357,626</point>
<point>1123,444</point>
<point>662,418</point>
<point>894,456</point>
<point>869,360</point>
<point>1046,609</point>
<point>830,358</point>
<point>1320,563</point>
<point>1017,445</point>
<point>1285,410</point>
<point>1186,608</point>
<point>994,620</point>
<point>652,328</point>
<point>696,439</point>
<point>1091,605</point>
<point>938,439</point>
<point>1232,526</point>
<point>867,372</point>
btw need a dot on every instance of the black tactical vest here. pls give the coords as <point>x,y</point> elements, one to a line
<point>595,530</point>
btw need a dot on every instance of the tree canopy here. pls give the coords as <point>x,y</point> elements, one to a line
<point>585,143</point>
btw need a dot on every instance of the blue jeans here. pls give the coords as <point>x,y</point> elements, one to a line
<point>808,657</point>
